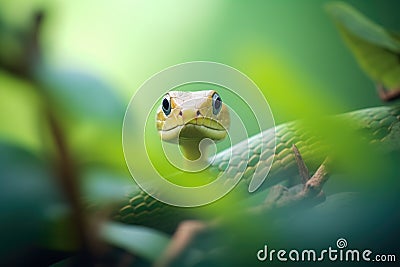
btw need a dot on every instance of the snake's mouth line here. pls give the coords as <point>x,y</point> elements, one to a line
<point>174,132</point>
<point>194,125</point>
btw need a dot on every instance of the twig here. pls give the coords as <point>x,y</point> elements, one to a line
<point>68,181</point>
<point>313,187</point>
<point>281,197</point>
<point>184,236</point>
<point>65,167</point>
<point>303,170</point>
<point>23,65</point>
<point>32,49</point>
<point>387,95</point>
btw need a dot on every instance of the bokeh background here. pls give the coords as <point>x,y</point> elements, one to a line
<point>65,84</point>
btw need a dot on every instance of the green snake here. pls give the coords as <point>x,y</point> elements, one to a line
<point>192,116</point>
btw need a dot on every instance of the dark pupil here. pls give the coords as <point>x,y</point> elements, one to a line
<point>165,104</point>
<point>218,103</point>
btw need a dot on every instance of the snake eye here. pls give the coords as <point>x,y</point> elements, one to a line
<point>216,103</point>
<point>166,105</point>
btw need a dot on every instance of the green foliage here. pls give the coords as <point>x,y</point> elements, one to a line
<point>272,43</point>
<point>91,111</point>
<point>140,241</point>
<point>30,201</point>
<point>103,187</point>
<point>56,124</point>
<point>82,95</point>
<point>20,114</point>
<point>376,49</point>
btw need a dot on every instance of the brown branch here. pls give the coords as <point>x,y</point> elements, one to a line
<point>281,197</point>
<point>387,95</point>
<point>303,170</point>
<point>32,49</point>
<point>183,237</point>
<point>65,167</point>
<point>68,179</point>
<point>313,187</point>
<point>23,65</point>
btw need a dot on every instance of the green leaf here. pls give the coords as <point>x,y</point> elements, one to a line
<point>20,115</point>
<point>81,94</point>
<point>30,201</point>
<point>90,110</point>
<point>139,240</point>
<point>376,49</point>
<point>67,262</point>
<point>362,27</point>
<point>101,186</point>
<point>97,144</point>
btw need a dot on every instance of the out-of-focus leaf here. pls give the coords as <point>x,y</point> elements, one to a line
<point>11,48</point>
<point>59,231</point>
<point>97,143</point>
<point>20,115</point>
<point>81,94</point>
<point>375,48</point>
<point>91,111</point>
<point>28,196</point>
<point>361,26</point>
<point>141,241</point>
<point>105,187</point>
<point>65,262</point>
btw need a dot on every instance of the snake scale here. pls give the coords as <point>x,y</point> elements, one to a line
<point>379,126</point>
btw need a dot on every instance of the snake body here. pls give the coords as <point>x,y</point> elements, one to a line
<point>379,126</point>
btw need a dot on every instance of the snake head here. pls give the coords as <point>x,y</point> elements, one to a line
<point>192,116</point>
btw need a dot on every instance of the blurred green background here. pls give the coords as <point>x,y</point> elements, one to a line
<point>290,49</point>
<point>94,55</point>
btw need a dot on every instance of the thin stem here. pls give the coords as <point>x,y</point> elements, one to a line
<point>68,178</point>
<point>303,170</point>
<point>65,166</point>
<point>387,95</point>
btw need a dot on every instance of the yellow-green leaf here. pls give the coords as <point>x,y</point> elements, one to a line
<point>376,49</point>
